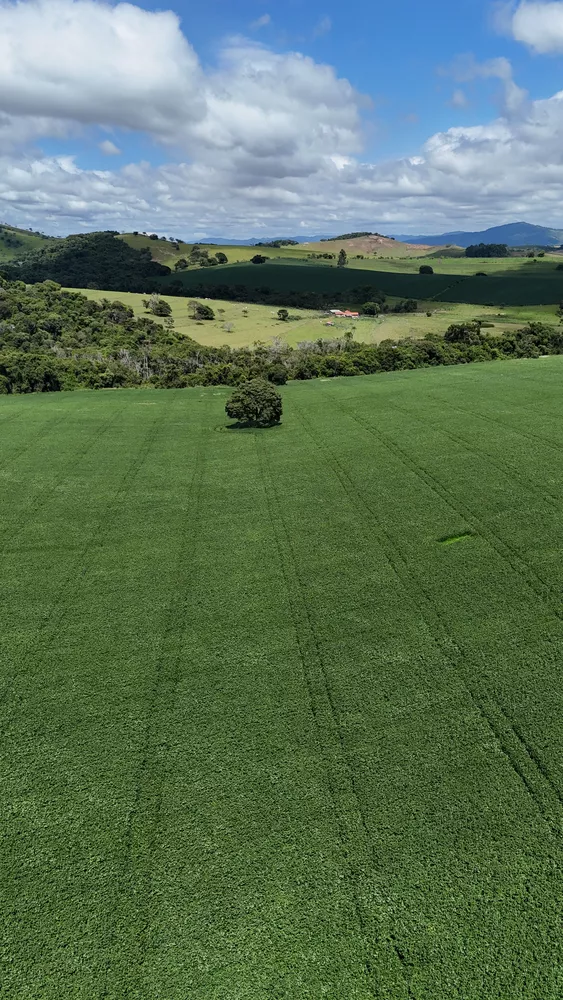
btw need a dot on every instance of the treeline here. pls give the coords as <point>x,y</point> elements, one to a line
<point>487,250</point>
<point>90,260</point>
<point>54,340</point>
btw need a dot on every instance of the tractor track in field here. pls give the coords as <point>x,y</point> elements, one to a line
<point>501,423</point>
<point>45,431</point>
<point>73,577</point>
<point>355,837</point>
<point>522,758</point>
<point>33,508</point>
<point>140,840</point>
<point>507,470</point>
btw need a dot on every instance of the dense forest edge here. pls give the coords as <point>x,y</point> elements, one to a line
<point>53,339</point>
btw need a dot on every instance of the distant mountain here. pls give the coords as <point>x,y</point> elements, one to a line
<point>515,234</point>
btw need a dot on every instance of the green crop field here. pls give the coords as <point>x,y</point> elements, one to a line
<point>281,710</point>
<point>525,285</point>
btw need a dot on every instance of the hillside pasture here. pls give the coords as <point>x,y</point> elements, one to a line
<point>15,241</point>
<point>251,323</point>
<point>281,710</point>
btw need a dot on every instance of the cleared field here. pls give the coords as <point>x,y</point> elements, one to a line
<point>535,285</point>
<point>261,322</point>
<point>281,711</point>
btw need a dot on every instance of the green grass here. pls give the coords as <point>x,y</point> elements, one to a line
<point>26,241</point>
<point>263,735</point>
<point>522,285</point>
<point>261,322</point>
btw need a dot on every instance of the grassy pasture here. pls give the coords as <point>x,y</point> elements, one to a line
<point>539,284</point>
<point>281,711</point>
<point>27,241</point>
<point>262,324</point>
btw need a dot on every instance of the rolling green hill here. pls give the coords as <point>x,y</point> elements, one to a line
<point>15,242</point>
<point>281,710</point>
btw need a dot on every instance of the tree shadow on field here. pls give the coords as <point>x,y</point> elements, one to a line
<point>250,426</point>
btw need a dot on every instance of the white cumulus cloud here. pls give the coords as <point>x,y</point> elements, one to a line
<point>539,25</point>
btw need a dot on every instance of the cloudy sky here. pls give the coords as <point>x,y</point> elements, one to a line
<point>278,117</point>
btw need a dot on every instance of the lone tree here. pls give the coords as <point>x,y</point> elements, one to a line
<point>425,269</point>
<point>283,315</point>
<point>256,404</point>
<point>342,258</point>
<point>203,312</point>
<point>221,257</point>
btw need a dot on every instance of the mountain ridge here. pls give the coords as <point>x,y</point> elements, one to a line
<point>514,234</point>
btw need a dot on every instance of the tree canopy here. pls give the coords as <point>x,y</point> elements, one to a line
<point>487,250</point>
<point>255,403</point>
<point>89,260</point>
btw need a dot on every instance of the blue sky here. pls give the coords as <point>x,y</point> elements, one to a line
<point>248,116</point>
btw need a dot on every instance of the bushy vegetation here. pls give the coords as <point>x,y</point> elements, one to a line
<point>276,244</point>
<point>348,236</point>
<point>255,404</point>
<point>52,339</point>
<point>487,250</point>
<point>92,260</point>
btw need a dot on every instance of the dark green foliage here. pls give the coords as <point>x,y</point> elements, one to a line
<point>153,236</point>
<point>348,236</point>
<point>371,308</point>
<point>161,308</point>
<point>95,260</point>
<point>277,374</point>
<point>258,259</point>
<point>283,315</point>
<point>342,258</point>
<point>487,250</point>
<point>202,311</point>
<point>464,333</point>
<point>181,264</point>
<point>276,244</point>
<point>480,274</point>
<point>255,403</point>
<point>221,257</point>
<point>425,269</point>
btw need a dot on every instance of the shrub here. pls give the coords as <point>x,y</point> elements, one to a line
<point>161,308</point>
<point>258,259</point>
<point>255,403</point>
<point>277,374</point>
<point>480,274</point>
<point>425,269</point>
<point>283,315</point>
<point>153,236</point>
<point>203,312</point>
